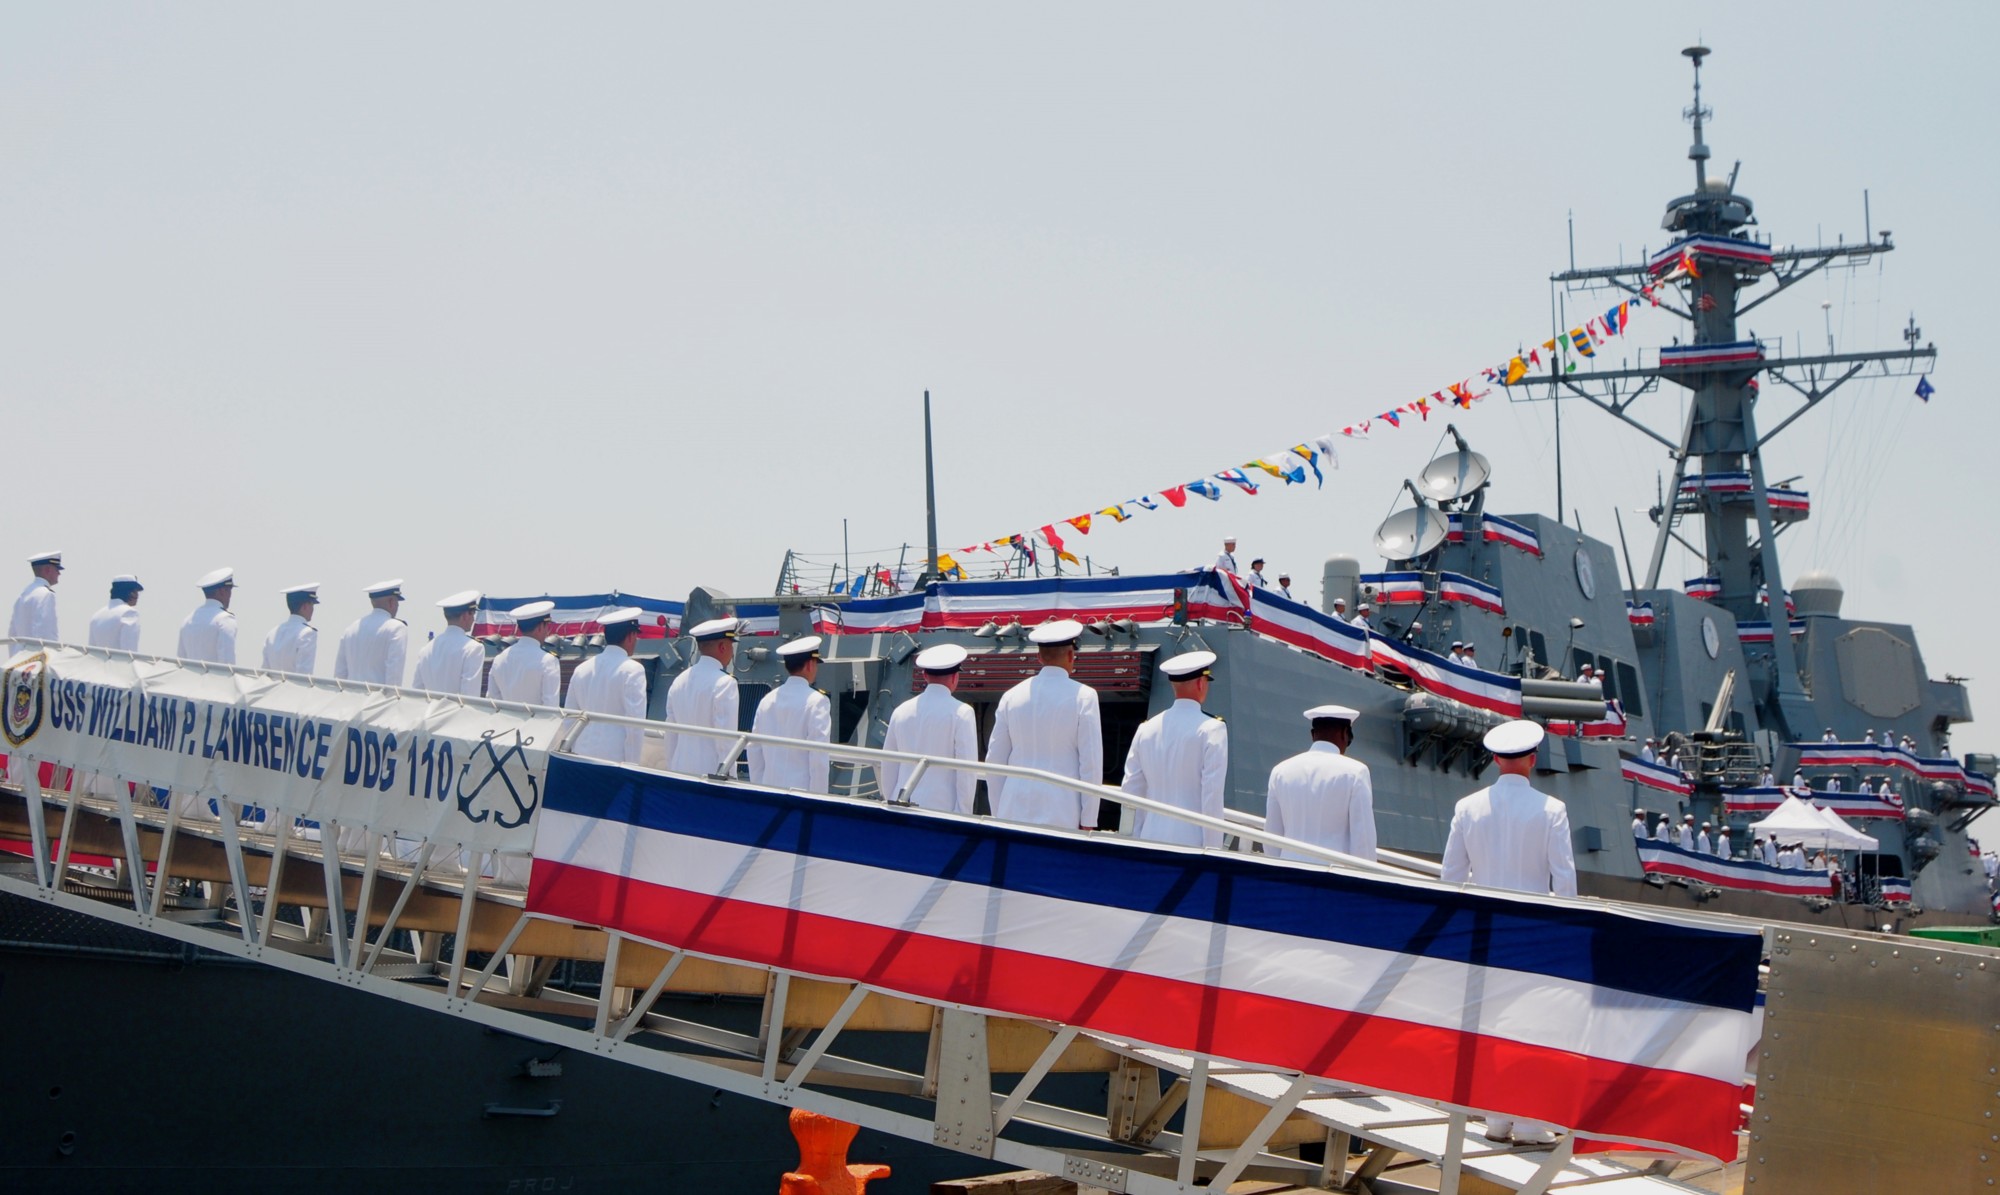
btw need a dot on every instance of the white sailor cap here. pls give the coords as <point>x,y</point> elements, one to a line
<point>1229,539</point>
<point>221,576</point>
<point>41,558</point>
<point>1458,643</point>
<point>1340,601</point>
<point>620,616</point>
<point>310,588</point>
<point>804,646</point>
<point>1365,606</point>
<point>1334,713</point>
<point>467,597</point>
<point>1650,739</point>
<point>1051,634</point>
<point>1472,647</point>
<point>716,628</point>
<point>532,610</point>
<point>391,588</point>
<point>127,579</point>
<point>1188,665</point>
<point>1513,738</point>
<point>945,657</point>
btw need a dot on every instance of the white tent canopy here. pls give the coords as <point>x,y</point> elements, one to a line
<point>1801,822</point>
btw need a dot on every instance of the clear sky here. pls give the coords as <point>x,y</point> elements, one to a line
<point>532,298</point>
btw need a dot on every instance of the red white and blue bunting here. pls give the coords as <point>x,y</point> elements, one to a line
<point>1666,858</point>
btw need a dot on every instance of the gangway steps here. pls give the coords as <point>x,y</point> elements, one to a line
<point>1246,1122</point>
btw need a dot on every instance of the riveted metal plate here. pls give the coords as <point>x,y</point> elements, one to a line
<point>1879,1069</point>
<point>1094,1172</point>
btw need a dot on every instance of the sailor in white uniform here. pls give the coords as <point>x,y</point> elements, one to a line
<point>794,710</point>
<point>1663,830</point>
<point>934,723</point>
<point>1511,836</point>
<point>35,610</point>
<point>527,672</point>
<point>1048,721</point>
<point>1361,614</point>
<point>1771,851</point>
<point>1225,560</point>
<point>1704,842</point>
<point>373,647</point>
<point>1256,577</point>
<point>1470,656</point>
<point>611,682</point>
<point>1180,756</point>
<point>209,634</point>
<point>117,625</point>
<point>1722,842</point>
<point>1285,586</point>
<point>1650,752</point>
<point>453,660</point>
<point>1686,833</point>
<point>1639,824</point>
<point>1340,609</point>
<point>705,695</point>
<point>1888,738</point>
<point>1829,736</point>
<point>1323,795</point>
<point>293,645</point>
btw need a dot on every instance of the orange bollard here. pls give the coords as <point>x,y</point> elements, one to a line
<point>823,1165</point>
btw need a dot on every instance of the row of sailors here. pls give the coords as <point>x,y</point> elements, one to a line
<point>1714,840</point>
<point>1507,835</point>
<point>1888,739</point>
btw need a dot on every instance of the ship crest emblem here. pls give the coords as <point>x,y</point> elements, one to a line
<point>498,782</point>
<point>26,694</point>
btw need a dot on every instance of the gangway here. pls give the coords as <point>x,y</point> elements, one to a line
<point>464,943</point>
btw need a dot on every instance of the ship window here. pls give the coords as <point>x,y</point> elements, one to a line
<point>1628,690</point>
<point>1539,646</point>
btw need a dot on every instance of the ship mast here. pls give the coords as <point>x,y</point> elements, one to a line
<point>1714,271</point>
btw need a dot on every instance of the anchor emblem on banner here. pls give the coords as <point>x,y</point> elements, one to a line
<point>506,765</point>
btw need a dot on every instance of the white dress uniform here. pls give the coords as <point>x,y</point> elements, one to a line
<point>525,672</point>
<point>1703,844</point>
<point>117,625</point>
<point>1180,756</point>
<point>1509,835</point>
<point>372,649</point>
<point>1639,827</point>
<point>1257,580</point>
<point>1770,852</point>
<point>934,723</point>
<point>793,710</point>
<point>292,646</point>
<point>34,612</point>
<point>1225,562</point>
<point>1663,830</point>
<point>1324,797</point>
<point>209,634</point>
<point>1685,837</point>
<point>1284,591</point>
<point>450,663</point>
<point>1722,843</point>
<point>1049,721</point>
<point>610,682</point>
<point>703,695</point>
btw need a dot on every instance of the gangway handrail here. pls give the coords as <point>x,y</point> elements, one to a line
<point>575,720</point>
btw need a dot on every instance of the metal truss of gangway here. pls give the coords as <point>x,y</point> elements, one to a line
<point>358,906</point>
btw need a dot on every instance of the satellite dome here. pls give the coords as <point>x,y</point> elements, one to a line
<point>1817,593</point>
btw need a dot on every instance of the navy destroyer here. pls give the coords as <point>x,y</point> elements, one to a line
<point>1736,679</point>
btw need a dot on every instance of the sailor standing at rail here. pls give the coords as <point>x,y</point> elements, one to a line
<point>1225,560</point>
<point>1685,840</point>
<point>373,647</point>
<point>1323,795</point>
<point>526,672</point>
<point>704,695</point>
<point>1511,836</point>
<point>794,710</point>
<point>451,662</point>
<point>934,723</point>
<point>293,645</point>
<point>209,634</point>
<point>117,625</point>
<point>1639,824</point>
<point>35,610</point>
<point>1048,721</point>
<point>611,682</point>
<point>1180,756</point>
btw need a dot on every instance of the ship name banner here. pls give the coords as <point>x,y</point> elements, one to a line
<point>468,773</point>
<point>1621,1027</point>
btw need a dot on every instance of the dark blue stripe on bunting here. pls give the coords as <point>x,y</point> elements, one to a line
<point>1674,962</point>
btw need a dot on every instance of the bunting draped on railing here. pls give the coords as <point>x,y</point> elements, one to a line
<point>1705,588</point>
<point>1766,799</point>
<point>1639,614</point>
<point>1873,755</point>
<point>1315,455</point>
<point>1656,775</point>
<point>1664,858</point>
<point>1762,632</point>
<point>1331,638</point>
<point>1494,529</point>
